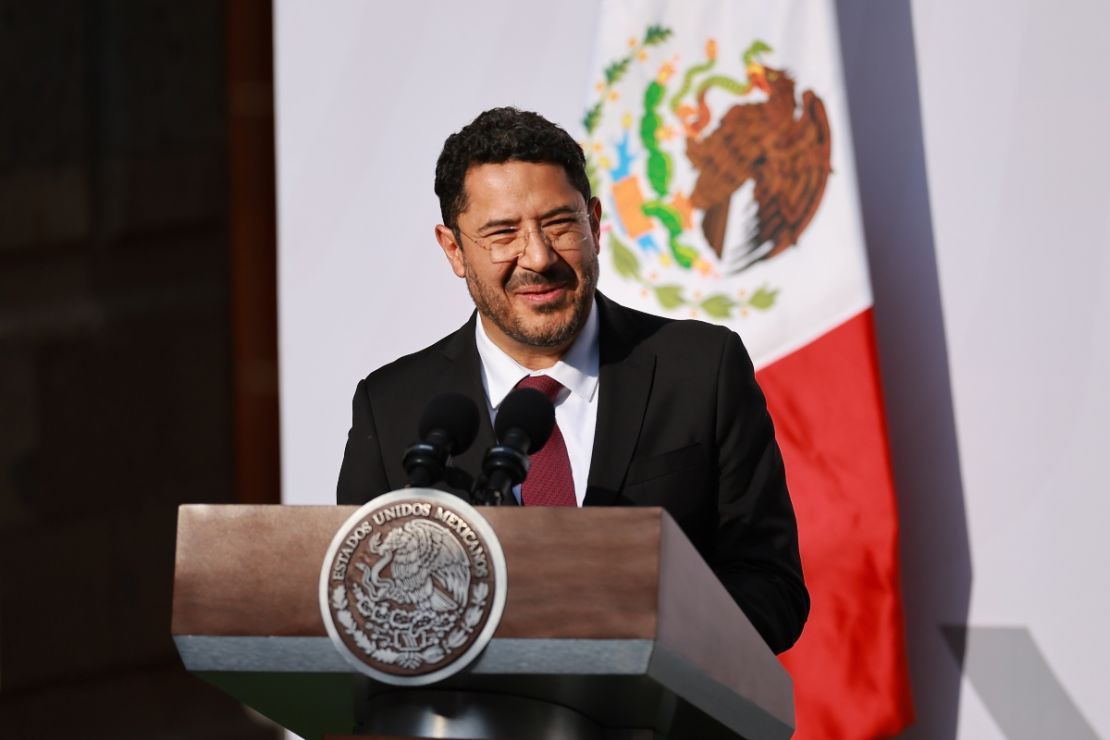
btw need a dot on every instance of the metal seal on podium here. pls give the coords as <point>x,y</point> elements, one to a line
<point>413,586</point>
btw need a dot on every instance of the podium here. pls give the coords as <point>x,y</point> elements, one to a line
<point>613,627</point>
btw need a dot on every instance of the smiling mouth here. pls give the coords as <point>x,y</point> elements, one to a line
<point>541,293</point>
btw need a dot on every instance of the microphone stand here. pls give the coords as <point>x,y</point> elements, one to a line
<point>504,466</point>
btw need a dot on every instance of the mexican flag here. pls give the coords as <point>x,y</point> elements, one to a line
<point>717,138</point>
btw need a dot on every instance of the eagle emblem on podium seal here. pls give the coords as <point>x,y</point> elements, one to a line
<point>413,586</point>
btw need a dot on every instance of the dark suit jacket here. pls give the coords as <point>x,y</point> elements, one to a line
<point>681,424</point>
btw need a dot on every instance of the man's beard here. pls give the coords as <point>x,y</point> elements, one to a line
<point>495,306</point>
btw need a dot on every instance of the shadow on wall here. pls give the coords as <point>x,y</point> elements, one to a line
<point>881,77</point>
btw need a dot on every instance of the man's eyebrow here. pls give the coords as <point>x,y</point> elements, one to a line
<point>498,222</point>
<point>566,210</point>
<point>503,222</point>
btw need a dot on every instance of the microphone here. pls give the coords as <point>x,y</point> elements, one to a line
<point>447,427</point>
<point>524,422</point>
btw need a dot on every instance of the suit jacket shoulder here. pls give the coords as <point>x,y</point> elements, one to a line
<point>386,409</point>
<point>624,329</point>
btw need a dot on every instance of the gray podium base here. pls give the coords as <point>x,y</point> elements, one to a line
<point>303,684</point>
<point>466,715</point>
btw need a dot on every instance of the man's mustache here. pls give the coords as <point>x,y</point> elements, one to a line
<point>560,274</point>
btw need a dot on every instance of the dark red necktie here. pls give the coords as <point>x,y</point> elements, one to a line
<point>549,481</point>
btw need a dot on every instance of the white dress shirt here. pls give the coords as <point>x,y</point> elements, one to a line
<point>575,405</point>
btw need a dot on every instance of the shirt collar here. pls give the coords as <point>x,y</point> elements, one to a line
<point>577,369</point>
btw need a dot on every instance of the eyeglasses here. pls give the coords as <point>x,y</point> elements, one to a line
<point>565,233</point>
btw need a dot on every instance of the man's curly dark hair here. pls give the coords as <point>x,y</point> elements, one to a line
<point>504,135</point>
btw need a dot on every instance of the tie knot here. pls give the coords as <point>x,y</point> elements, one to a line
<point>545,384</point>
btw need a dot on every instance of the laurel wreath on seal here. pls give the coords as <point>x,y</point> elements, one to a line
<point>380,622</point>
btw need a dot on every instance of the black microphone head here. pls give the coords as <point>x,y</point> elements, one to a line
<point>529,411</point>
<point>454,415</point>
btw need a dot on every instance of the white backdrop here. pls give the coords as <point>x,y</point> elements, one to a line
<point>366,94</point>
<point>997,263</point>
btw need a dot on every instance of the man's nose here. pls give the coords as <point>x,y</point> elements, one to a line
<point>538,254</point>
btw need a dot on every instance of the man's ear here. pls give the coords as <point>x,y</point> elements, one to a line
<point>595,220</point>
<point>452,249</point>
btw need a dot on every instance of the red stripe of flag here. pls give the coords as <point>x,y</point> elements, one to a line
<point>849,667</point>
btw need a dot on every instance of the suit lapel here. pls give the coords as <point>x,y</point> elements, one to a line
<point>625,376</point>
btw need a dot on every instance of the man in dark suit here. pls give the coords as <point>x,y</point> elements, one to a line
<point>653,412</point>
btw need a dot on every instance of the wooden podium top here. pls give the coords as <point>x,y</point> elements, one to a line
<point>601,592</point>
